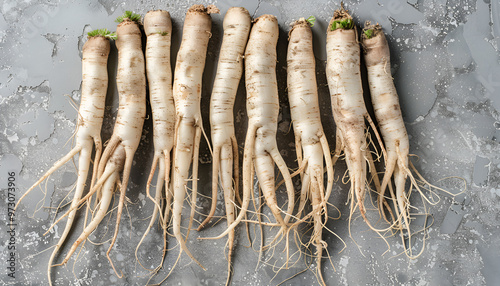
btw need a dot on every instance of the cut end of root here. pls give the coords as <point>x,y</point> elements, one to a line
<point>370,30</point>
<point>341,13</point>
<point>240,9</point>
<point>303,21</point>
<point>198,8</point>
<point>375,47</point>
<point>212,9</point>
<point>341,20</point>
<point>300,23</point>
<point>155,11</point>
<point>266,17</point>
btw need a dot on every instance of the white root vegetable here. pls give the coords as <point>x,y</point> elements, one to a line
<point>118,154</point>
<point>388,114</point>
<point>237,23</point>
<point>158,29</point>
<point>261,150</point>
<point>390,120</point>
<point>310,140</point>
<point>88,133</point>
<point>188,126</point>
<point>348,106</point>
<point>116,163</point>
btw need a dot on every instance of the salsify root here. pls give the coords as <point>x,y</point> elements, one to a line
<point>88,133</point>
<point>387,110</point>
<point>237,23</point>
<point>158,29</point>
<point>310,140</point>
<point>188,125</point>
<point>118,156</point>
<point>348,107</point>
<point>261,150</point>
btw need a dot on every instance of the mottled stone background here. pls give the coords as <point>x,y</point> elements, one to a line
<point>445,63</point>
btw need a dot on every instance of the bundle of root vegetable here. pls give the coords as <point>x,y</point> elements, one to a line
<point>178,129</point>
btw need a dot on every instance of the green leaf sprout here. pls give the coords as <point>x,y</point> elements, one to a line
<point>128,15</point>
<point>345,24</point>
<point>102,32</point>
<point>311,20</point>
<point>369,33</point>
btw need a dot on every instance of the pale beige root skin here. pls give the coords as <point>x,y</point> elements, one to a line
<point>348,107</point>
<point>131,84</point>
<point>386,107</point>
<point>158,29</point>
<point>237,23</point>
<point>262,109</point>
<point>114,167</point>
<point>310,139</point>
<point>187,94</point>
<point>349,110</point>
<point>88,133</point>
<point>389,117</point>
<point>261,149</point>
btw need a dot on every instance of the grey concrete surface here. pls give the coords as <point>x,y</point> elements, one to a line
<point>445,63</point>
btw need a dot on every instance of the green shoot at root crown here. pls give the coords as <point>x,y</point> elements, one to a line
<point>128,15</point>
<point>102,32</point>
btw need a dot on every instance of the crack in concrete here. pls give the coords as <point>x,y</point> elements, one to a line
<point>256,9</point>
<point>53,39</point>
